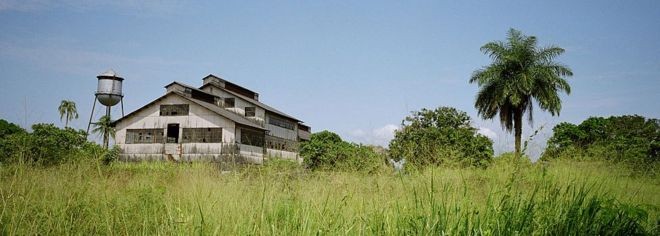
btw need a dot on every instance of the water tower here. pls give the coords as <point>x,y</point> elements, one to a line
<point>108,93</point>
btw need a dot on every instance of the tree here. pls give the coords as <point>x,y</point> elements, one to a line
<point>520,75</point>
<point>105,128</point>
<point>630,138</point>
<point>46,145</point>
<point>7,128</point>
<point>68,108</point>
<point>326,150</point>
<point>8,133</point>
<point>432,137</point>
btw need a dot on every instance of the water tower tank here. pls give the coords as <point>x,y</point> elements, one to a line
<point>109,88</point>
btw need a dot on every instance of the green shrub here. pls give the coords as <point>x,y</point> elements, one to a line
<point>47,145</point>
<point>7,129</point>
<point>634,140</point>
<point>441,136</point>
<point>326,150</point>
<point>111,155</point>
<point>52,144</point>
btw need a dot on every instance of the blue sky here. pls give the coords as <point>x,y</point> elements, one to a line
<point>355,68</point>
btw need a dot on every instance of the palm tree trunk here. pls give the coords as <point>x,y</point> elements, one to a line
<point>517,124</point>
<point>105,139</point>
<point>66,123</point>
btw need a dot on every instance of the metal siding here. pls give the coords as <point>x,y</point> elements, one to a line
<point>282,132</point>
<point>198,117</point>
<point>281,154</point>
<point>239,104</point>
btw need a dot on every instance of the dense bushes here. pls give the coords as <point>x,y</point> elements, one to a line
<point>326,150</point>
<point>630,139</point>
<point>46,145</point>
<point>432,137</point>
<point>7,129</point>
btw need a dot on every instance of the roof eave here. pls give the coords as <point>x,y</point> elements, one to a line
<point>272,110</point>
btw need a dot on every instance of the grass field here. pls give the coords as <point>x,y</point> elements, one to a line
<point>560,198</point>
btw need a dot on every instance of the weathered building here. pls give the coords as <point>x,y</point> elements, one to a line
<point>218,121</point>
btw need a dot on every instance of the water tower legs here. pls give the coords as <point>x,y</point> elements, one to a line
<point>91,116</point>
<point>122,106</point>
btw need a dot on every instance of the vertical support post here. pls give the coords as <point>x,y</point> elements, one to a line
<point>122,106</point>
<point>106,135</point>
<point>91,115</point>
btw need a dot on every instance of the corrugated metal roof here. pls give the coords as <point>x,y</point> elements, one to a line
<point>229,82</point>
<point>255,102</point>
<point>221,111</point>
<point>227,114</point>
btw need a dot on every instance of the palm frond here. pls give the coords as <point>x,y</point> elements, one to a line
<point>520,75</point>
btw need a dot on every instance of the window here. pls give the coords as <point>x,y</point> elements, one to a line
<point>187,90</point>
<point>229,102</point>
<point>202,96</point>
<point>252,137</point>
<point>281,122</point>
<point>144,136</point>
<point>250,111</point>
<point>277,143</point>
<point>174,110</point>
<point>202,135</point>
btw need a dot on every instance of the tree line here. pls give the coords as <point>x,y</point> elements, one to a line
<point>520,77</point>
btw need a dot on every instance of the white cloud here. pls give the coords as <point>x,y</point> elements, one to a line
<point>488,133</point>
<point>379,136</point>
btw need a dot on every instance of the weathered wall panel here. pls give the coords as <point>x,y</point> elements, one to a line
<point>239,105</point>
<point>281,154</point>
<point>149,118</point>
<point>199,117</point>
<point>282,132</point>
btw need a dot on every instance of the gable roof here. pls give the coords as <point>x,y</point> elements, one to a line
<point>222,112</point>
<point>231,84</point>
<point>255,102</point>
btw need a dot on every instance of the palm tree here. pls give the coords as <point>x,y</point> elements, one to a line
<point>68,108</point>
<point>105,128</point>
<point>519,76</point>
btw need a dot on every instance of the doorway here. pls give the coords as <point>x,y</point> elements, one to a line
<point>172,133</point>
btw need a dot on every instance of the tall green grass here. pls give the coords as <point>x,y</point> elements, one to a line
<point>558,198</point>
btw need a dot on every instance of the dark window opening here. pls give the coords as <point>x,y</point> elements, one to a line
<point>252,137</point>
<point>135,136</point>
<point>172,133</point>
<point>277,143</point>
<point>202,96</point>
<point>229,102</point>
<point>202,135</point>
<point>250,111</point>
<point>303,128</point>
<point>174,110</point>
<point>242,91</point>
<point>281,122</point>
